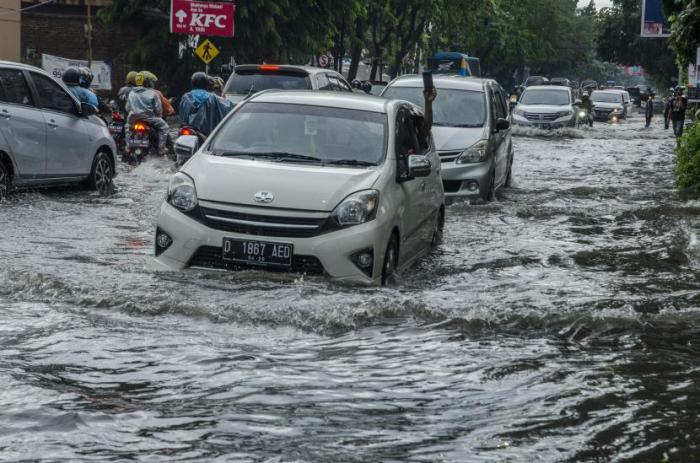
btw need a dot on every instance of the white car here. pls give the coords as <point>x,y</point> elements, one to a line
<point>608,104</point>
<point>306,182</point>
<point>546,107</point>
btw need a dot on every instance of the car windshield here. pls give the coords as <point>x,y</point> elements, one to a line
<point>598,97</point>
<point>452,108</point>
<point>545,97</point>
<point>303,134</point>
<point>249,82</point>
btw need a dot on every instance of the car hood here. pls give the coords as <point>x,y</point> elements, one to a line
<point>543,108</point>
<point>294,186</point>
<point>456,138</point>
<point>235,98</point>
<point>602,105</point>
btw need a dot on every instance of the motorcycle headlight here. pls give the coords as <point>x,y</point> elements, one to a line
<point>582,114</point>
<point>357,208</point>
<point>519,112</point>
<point>475,153</point>
<point>182,193</point>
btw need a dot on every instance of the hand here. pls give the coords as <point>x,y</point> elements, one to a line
<point>430,95</point>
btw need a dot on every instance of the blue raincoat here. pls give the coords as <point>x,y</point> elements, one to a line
<point>203,110</point>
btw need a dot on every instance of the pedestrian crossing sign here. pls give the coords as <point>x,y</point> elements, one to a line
<point>207,51</point>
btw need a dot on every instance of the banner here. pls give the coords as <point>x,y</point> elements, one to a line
<point>102,72</point>
<point>202,18</point>
<point>654,23</point>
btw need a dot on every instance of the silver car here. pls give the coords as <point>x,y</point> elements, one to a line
<point>471,130</point>
<point>545,107</point>
<point>47,137</point>
<point>309,183</point>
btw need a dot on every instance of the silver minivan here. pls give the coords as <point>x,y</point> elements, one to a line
<point>471,130</point>
<point>47,137</point>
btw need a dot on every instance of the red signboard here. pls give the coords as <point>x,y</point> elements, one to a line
<point>202,18</point>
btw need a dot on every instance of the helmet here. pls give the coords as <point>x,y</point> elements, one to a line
<point>679,90</point>
<point>71,76</point>
<point>146,79</point>
<point>85,77</point>
<point>131,78</point>
<point>366,86</point>
<point>200,80</point>
<point>356,83</point>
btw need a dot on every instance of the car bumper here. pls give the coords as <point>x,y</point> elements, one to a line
<point>466,180</point>
<point>333,251</point>
<point>555,124</point>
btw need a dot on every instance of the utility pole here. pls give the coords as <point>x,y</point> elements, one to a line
<point>89,32</point>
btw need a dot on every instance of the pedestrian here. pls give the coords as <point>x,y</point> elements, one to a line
<point>668,103</point>
<point>678,107</point>
<point>649,110</point>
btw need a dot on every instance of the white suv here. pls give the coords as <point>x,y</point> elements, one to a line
<point>306,182</point>
<point>546,107</point>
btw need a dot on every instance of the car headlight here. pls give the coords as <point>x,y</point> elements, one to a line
<point>519,112</point>
<point>357,208</point>
<point>182,193</point>
<point>475,153</point>
<point>565,114</point>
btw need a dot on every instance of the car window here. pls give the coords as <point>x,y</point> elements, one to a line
<point>51,95</point>
<point>545,97</point>
<point>406,142</point>
<point>14,88</point>
<point>497,108</point>
<point>601,97</point>
<point>335,85</point>
<point>323,82</point>
<point>248,82</point>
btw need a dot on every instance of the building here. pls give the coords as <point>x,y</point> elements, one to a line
<point>10,30</point>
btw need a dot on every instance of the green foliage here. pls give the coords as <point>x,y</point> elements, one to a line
<point>684,16</point>
<point>688,165</point>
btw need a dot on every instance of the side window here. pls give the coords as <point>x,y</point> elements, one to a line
<point>14,88</point>
<point>344,85</point>
<point>323,82</point>
<point>406,143</point>
<point>51,95</point>
<point>335,85</point>
<point>496,111</point>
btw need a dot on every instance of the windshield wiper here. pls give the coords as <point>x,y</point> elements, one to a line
<point>281,156</point>
<point>350,162</point>
<point>234,154</point>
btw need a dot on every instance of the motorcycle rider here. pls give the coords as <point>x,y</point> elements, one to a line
<point>123,94</point>
<point>201,109</point>
<point>85,82</point>
<point>144,104</point>
<point>72,77</point>
<point>587,105</point>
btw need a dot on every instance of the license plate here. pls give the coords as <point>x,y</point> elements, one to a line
<point>116,127</point>
<point>139,142</point>
<point>258,252</point>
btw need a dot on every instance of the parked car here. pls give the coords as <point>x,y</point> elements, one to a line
<point>547,107</point>
<point>471,131</point>
<point>47,137</point>
<point>607,103</point>
<point>248,79</point>
<point>306,182</point>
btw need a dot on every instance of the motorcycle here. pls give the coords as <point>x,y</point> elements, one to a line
<point>142,140</point>
<point>187,130</point>
<point>117,127</point>
<point>583,117</point>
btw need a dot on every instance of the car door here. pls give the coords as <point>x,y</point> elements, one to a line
<point>68,144</point>
<point>22,125</point>
<point>429,200</point>
<point>498,136</point>
<point>410,211</point>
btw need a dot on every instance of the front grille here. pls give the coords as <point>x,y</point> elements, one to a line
<point>451,186</point>
<point>449,156</point>
<point>541,117</point>
<point>212,257</point>
<point>262,225</point>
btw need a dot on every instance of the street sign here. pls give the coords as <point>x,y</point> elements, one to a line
<point>202,18</point>
<point>207,51</point>
<point>654,23</point>
<point>324,61</point>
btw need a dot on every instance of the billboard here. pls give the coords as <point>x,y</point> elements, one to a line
<point>102,72</point>
<point>202,18</point>
<point>654,23</point>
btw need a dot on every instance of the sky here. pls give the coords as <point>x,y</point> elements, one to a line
<point>598,3</point>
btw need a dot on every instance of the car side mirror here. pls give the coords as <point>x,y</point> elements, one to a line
<point>419,166</point>
<point>502,124</point>
<point>87,109</point>
<point>186,146</point>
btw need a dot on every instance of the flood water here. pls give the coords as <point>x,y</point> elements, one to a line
<point>560,323</point>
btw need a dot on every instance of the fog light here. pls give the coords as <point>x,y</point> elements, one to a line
<point>163,241</point>
<point>472,185</point>
<point>364,260</point>
<point>138,151</point>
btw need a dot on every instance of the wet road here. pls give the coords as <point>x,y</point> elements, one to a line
<point>558,324</point>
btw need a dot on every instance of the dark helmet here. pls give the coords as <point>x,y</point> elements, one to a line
<point>367,86</point>
<point>356,83</point>
<point>71,76</point>
<point>200,80</point>
<point>679,90</point>
<point>85,77</point>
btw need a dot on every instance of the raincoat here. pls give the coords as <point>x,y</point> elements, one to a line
<point>84,95</point>
<point>144,104</point>
<point>203,110</point>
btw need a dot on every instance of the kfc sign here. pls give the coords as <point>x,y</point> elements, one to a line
<point>202,18</point>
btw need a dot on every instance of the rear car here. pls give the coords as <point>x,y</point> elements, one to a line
<point>309,183</point>
<point>248,79</point>
<point>546,107</point>
<point>471,131</point>
<point>47,137</point>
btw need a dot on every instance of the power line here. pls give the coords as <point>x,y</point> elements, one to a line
<point>13,11</point>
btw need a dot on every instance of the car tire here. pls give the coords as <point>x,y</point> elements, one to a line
<point>490,194</point>
<point>391,260</point>
<point>5,179</point>
<point>102,174</point>
<point>438,229</point>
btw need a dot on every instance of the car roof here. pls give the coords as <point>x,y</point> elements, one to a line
<point>442,81</point>
<point>547,87</point>
<point>284,67</point>
<point>356,101</point>
<point>610,90</point>
<point>20,65</point>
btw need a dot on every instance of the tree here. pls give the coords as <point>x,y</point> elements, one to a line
<point>684,16</point>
